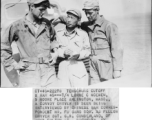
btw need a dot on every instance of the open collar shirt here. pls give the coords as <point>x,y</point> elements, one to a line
<point>77,41</point>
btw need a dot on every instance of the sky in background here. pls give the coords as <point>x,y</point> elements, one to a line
<point>124,7</point>
<point>112,8</point>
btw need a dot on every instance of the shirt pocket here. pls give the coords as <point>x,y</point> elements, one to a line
<point>74,46</point>
<point>100,41</point>
<point>78,44</point>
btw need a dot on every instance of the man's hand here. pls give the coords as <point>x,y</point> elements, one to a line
<point>55,21</point>
<point>117,74</point>
<point>19,65</point>
<point>52,62</point>
<point>74,57</point>
<point>54,56</point>
<point>15,85</point>
<point>68,53</point>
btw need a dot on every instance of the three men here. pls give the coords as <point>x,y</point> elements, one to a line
<point>74,46</point>
<point>106,50</point>
<point>35,39</point>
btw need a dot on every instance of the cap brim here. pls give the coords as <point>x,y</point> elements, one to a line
<point>87,8</point>
<point>72,12</point>
<point>39,1</point>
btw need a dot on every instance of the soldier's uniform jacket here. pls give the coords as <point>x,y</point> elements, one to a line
<point>105,41</point>
<point>30,43</point>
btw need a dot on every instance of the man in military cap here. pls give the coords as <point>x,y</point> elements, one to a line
<point>106,59</point>
<point>74,46</point>
<point>36,39</point>
<point>106,51</point>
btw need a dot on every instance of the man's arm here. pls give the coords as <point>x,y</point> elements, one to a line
<point>61,49</point>
<point>53,40</point>
<point>53,46</point>
<point>63,18</point>
<point>116,49</point>
<point>60,19</point>
<point>86,51</point>
<point>6,50</point>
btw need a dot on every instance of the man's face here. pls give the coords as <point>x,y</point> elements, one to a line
<point>72,20</point>
<point>91,14</point>
<point>38,12</point>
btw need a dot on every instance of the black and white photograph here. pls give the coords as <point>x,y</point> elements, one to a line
<point>75,60</point>
<point>75,43</point>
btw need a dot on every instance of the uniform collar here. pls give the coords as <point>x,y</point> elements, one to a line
<point>41,28</point>
<point>98,22</point>
<point>28,26</point>
<point>29,21</point>
<point>66,33</point>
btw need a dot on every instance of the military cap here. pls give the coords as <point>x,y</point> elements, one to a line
<point>90,4</point>
<point>76,12</point>
<point>35,1</point>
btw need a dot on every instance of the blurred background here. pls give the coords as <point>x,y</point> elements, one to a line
<point>133,18</point>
